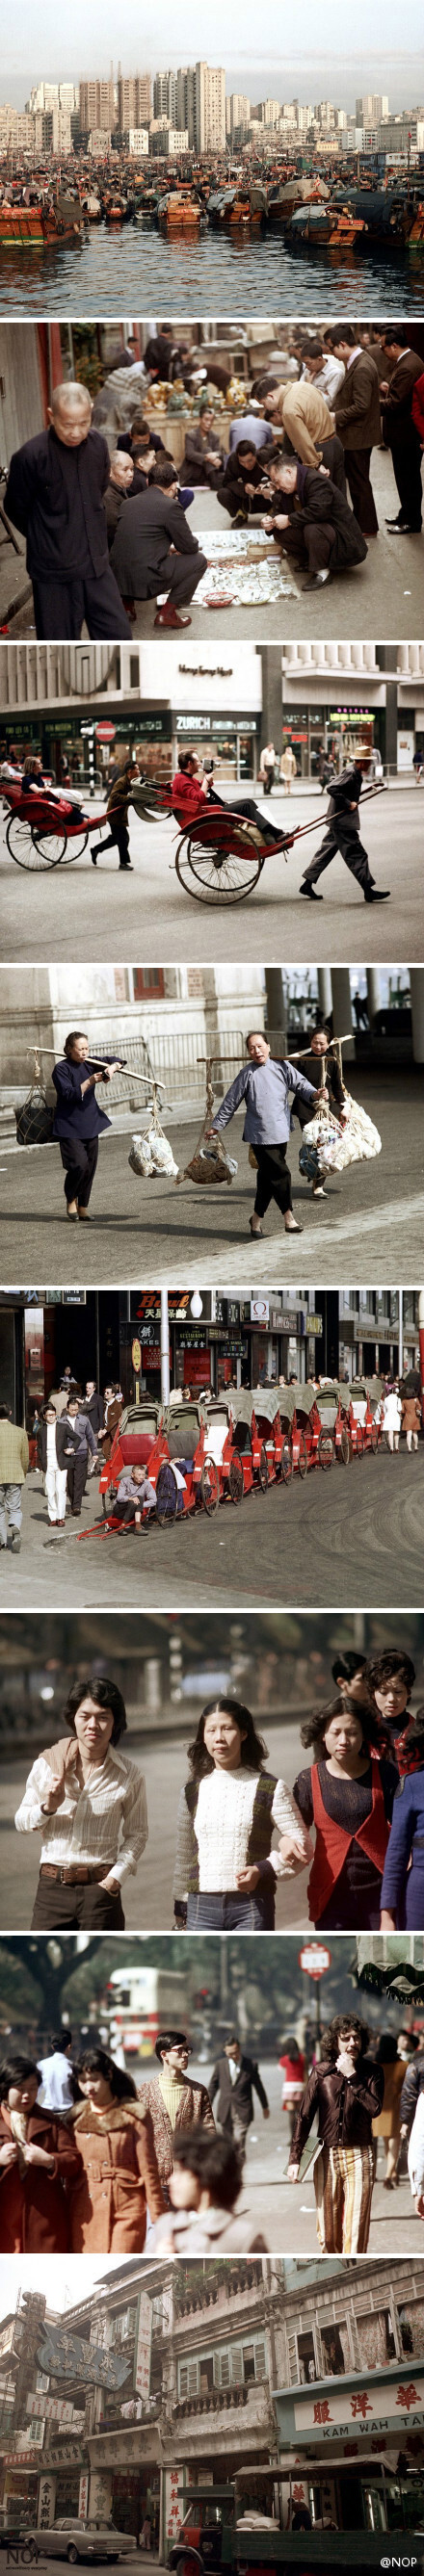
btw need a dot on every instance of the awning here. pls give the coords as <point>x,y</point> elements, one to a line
<point>392,1963</point>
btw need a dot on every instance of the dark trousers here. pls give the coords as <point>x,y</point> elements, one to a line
<point>343,834</point>
<point>118,839</point>
<point>62,607</point>
<point>77,1479</point>
<point>267,782</point>
<point>357,462</point>
<point>274,1181</point>
<point>78,1908</point>
<point>79,1164</point>
<point>406,461</point>
<point>311,544</point>
<point>331,454</point>
<point>179,576</point>
<point>246,805</point>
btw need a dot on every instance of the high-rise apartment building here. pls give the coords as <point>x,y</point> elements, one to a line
<point>97,105</point>
<point>134,100</point>
<point>370,109</point>
<point>237,111</point>
<point>209,108</point>
<point>165,95</point>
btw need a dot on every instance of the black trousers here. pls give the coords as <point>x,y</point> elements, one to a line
<point>267,782</point>
<point>77,1479</point>
<point>274,1180</point>
<point>62,607</point>
<point>343,835</point>
<point>79,1164</point>
<point>357,462</point>
<point>179,576</point>
<point>331,454</point>
<point>118,839</point>
<point>312,544</point>
<point>406,461</point>
<point>246,805</point>
<point>75,1909</point>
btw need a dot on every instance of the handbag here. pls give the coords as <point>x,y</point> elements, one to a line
<point>34,1120</point>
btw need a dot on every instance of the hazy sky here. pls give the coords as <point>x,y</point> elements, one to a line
<point>40,44</point>
<point>64,2278</point>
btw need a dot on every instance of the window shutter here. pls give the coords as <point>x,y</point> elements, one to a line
<point>236,2362</point>
<point>260,2361</point>
<point>292,2359</point>
<point>188,2378</point>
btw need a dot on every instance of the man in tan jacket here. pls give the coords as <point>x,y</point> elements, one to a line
<point>14,1463</point>
<point>302,414</point>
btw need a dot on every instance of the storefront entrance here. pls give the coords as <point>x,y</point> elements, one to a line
<point>136,2493</point>
<point>232,746</point>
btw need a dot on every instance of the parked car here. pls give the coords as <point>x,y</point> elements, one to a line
<point>69,2538</point>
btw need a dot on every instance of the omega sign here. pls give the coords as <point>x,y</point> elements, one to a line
<point>62,2356</point>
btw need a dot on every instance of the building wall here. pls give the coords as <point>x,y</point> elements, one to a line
<point>21,411</point>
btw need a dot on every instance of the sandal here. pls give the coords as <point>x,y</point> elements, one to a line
<point>256,1231</point>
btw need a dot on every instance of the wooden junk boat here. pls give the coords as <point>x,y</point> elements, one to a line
<point>243,207</point>
<point>333,227</point>
<point>179,211</point>
<point>34,227</point>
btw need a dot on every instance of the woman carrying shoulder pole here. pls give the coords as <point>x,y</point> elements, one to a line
<point>78,1121</point>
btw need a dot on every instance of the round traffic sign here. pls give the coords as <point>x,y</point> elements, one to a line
<point>315,1959</point>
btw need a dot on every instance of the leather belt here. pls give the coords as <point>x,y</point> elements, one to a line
<point>79,1877</point>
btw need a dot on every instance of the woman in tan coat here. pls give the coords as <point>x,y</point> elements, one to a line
<point>411,1419</point>
<point>119,2177</point>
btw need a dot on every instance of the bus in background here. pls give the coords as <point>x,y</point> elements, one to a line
<point>142,2001</point>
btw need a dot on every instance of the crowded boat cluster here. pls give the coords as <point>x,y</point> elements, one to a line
<point>337,209</point>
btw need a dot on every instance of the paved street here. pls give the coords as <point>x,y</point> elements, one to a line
<point>82,912</point>
<point>382,597</point>
<point>358,1538</point>
<point>368,1226</point>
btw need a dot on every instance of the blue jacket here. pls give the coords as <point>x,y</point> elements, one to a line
<point>265,1088</point>
<point>74,1116</point>
<point>406,1838</point>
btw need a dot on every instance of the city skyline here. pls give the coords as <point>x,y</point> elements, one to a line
<point>312,69</point>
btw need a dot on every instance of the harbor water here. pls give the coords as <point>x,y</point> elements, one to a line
<point>137,270</point>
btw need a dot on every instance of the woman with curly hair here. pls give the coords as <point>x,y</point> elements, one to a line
<point>225,1866</point>
<point>89,1804</point>
<point>346,2092</point>
<point>118,2176</point>
<point>347,1796</point>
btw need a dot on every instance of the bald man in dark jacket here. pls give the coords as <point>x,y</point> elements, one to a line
<point>55,495</point>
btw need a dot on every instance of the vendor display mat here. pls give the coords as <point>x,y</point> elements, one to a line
<point>245,565</point>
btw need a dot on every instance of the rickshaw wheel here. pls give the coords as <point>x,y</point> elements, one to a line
<point>263,1469</point>
<point>166,1494</point>
<point>236,1480</point>
<point>374,1438</point>
<point>52,848</point>
<point>303,1455</point>
<point>325,1449</point>
<point>286,1462</point>
<point>359,1440</point>
<point>209,1486</point>
<point>211,878</point>
<point>74,848</point>
<point>343,1451</point>
<point>28,850</point>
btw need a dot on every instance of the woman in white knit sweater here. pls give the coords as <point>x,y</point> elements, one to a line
<point>226,1868</point>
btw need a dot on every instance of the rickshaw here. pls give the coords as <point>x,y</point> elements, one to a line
<point>221,854</point>
<point>43,830</point>
<point>365,1396</point>
<point>315,1427</point>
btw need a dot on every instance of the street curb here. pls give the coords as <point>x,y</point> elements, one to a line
<point>10,608</point>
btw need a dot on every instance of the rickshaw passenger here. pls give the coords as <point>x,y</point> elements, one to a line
<point>33,778</point>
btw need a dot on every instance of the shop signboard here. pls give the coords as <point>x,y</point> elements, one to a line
<point>56,2410</point>
<point>63,2355</point>
<point>354,2407</point>
<point>83,2495</point>
<point>66,2454</point>
<point>143,2347</point>
<point>259,1310</point>
<point>173,2507</point>
<point>46,2503</point>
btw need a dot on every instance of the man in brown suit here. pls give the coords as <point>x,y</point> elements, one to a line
<point>172,2102</point>
<point>357,420</point>
<point>399,430</point>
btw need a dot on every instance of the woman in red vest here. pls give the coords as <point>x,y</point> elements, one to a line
<point>347,1794</point>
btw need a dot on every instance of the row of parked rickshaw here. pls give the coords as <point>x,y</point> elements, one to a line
<point>214,1450</point>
